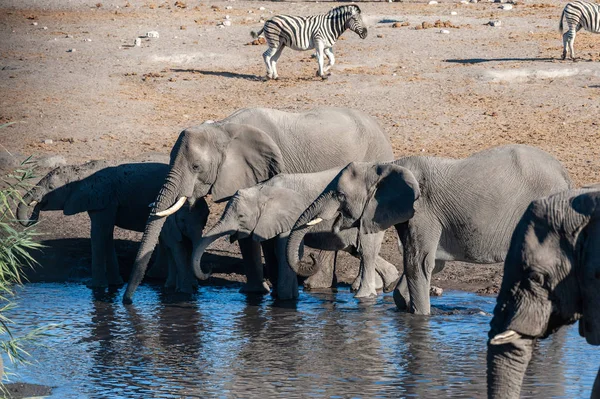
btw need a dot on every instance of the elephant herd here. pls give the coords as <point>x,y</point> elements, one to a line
<point>327,179</point>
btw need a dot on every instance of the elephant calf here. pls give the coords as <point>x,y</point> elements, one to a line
<point>467,209</point>
<point>266,213</point>
<point>551,276</point>
<point>112,195</point>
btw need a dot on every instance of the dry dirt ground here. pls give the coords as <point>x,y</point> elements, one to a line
<point>69,72</point>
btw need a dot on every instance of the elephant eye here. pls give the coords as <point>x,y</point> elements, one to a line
<point>538,278</point>
<point>196,167</point>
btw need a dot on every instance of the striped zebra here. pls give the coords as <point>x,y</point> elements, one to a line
<point>318,32</point>
<point>579,14</point>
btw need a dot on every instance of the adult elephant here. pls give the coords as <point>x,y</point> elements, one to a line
<point>248,147</point>
<point>113,195</point>
<point>550,279</point>
<point>267,212</point>
<point>467,210</point>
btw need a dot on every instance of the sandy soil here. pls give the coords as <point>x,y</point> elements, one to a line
<point>437,94</point>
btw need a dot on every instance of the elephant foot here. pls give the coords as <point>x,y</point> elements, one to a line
<point>255,288</point>
<point>116,281</point>
<point>316,282</point>
<point>357,283</point>
<point>391,286</point>
<point>366,292</point>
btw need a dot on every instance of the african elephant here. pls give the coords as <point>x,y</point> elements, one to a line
<point>112,195</point>
<point>267,211</point>
<point>248,147</point>
<point>550,279</point>
<point>466,211</point>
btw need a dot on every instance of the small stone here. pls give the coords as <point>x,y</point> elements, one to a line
<point>394,74</point>
<point>227,17</point>
<point>209,121</point>
<point>47,141</point>
<point>138,42</point>
<point>380,36</point>
<point>432,2</point>
<point>71,50</point>
<point>506,6</point>
<point>495,23</point>
<point>250,12</point>
<point>261,8</point>
<point>464,2</point>
<point>473,1</point>
<point>453,13</point>
<point>229,8</point>
<point>400,24</point>
<point>182,27</point>
<point>34,23</point>
<point>227,23</point>
<point>153,34</point>
<point>435,291</point>
<point>444,31</point>
<point>45,28</point>
<point>87,40</point>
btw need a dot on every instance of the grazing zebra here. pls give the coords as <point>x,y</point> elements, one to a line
<point>579,14</point>
<point>318,32</point>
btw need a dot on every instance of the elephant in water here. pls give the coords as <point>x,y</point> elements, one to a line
<point>466,212</point>
<point>112,195</point>
<point>550,280</point>
<point>267,212</point>
<point>248,147</point>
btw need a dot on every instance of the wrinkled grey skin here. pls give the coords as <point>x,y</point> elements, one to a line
<point>467,210</point>
<point>267,212</point>
<point>176,240</point>
<point>348,204</point>
<point>248,147</point>
<point>550,280</point>
<point>112,195</point>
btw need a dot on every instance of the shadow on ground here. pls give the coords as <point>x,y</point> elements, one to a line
<point>482,60</point>
<point>224,74</point>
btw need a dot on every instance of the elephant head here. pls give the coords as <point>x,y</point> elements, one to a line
<point>215,158</point>
<point>551,276</point>
<point>367,196</point>
<point>261,212</point>
<point>64,188</point>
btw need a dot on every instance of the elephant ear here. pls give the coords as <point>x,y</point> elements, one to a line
<point>250,158</point>
<point>391,199</point>
<point>281,207</point>
<point>588,204</point>
<point>93,193</point>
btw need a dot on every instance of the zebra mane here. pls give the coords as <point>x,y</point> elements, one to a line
<point>349,8</point>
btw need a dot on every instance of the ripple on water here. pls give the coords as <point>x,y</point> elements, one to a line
<point>224,344</point>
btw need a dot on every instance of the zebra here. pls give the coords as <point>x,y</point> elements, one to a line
<point>318,32</point>
<point>579,14</point>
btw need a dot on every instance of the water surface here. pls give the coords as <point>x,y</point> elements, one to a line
<point>223,344</point>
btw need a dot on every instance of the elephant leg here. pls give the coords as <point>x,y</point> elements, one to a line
<point>102,229</point>
<point>356,283</point>
<point>287,280</point>
<point>181,256</point>
<point>114,277</point>
<point>419,262</point>
<point>596,387</point>
<point>253,267</point>
<point>401,294</point>
<point>272,267</point>
<point>171,281</point>
<point>388,272</point>
<point>370,244</point>
<point>158,269</point>
<point>325,276</point>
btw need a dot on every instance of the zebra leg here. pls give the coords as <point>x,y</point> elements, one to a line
<point>267,55</point>
<point>274,60</point>
<point>331,57</point>
<point>571,41</point>
<point>321,59</point>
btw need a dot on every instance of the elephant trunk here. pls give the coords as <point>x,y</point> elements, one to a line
<point>24,209</point>
<point>165,200</point>
<point>222,228</point>
<point>303,225</point>
<point>506,365</point>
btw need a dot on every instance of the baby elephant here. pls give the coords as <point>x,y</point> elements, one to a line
<point>551,279</point>
<point>267,212</point>
<point>112,195</point>
<point>467,210</point>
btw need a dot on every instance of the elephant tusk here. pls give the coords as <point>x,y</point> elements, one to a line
<point>505,337</point>
<point>33,203</point>
<point>314,221</point>
<point>172,209</point>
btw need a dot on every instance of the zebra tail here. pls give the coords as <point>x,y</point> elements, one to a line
<point>560,26</point>
<point>257,34</point>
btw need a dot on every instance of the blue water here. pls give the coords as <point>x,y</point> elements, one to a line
<point>223,344</point>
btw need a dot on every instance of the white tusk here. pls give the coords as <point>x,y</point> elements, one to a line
<point>314,221</point>
<point>172,209</point>
<point>33,203</point>
<point>505,337</point>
